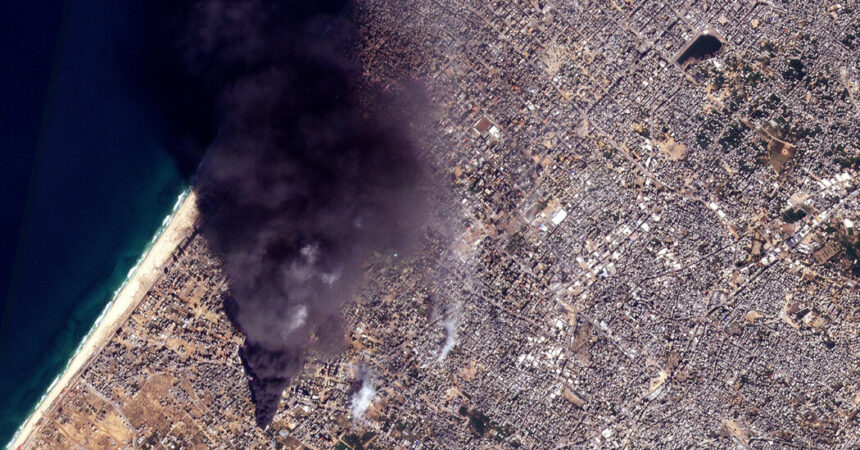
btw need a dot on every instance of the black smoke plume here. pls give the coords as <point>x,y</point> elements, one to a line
<point>303,182</point>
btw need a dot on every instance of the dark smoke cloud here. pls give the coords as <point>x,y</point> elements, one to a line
<point>302,184</point>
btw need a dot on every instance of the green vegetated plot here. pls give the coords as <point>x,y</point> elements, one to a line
<point>796,70</point>
<point>355,441</point>
<point>765,107</point>
<point>851,36</point>
<point>793,215</point>
<point>851,244</point>
<point>845,157</point>
<point>731,138</point>
<point>708,129</point>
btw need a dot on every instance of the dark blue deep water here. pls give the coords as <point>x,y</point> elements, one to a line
<point>85,182</point>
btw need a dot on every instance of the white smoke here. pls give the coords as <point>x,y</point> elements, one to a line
<point>450,325</point>
<point>298,318</point>
<point>362,399</point>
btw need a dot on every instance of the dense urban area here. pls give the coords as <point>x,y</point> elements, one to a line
<point>650,242</point>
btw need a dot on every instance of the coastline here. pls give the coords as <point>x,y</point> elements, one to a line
<point>175,228</point>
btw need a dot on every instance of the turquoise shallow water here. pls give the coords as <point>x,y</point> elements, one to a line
<point>83,198</point>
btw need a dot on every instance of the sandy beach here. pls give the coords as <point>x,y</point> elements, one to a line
<point>181,226</point>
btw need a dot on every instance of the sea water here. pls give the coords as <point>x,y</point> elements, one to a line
<point>94,187</point>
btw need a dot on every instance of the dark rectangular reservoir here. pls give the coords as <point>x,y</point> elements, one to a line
<point>703,46</point>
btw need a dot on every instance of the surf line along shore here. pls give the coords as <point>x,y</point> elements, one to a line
<point>180,226</point>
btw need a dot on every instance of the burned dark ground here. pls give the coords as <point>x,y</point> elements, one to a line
<point>302,180</point>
